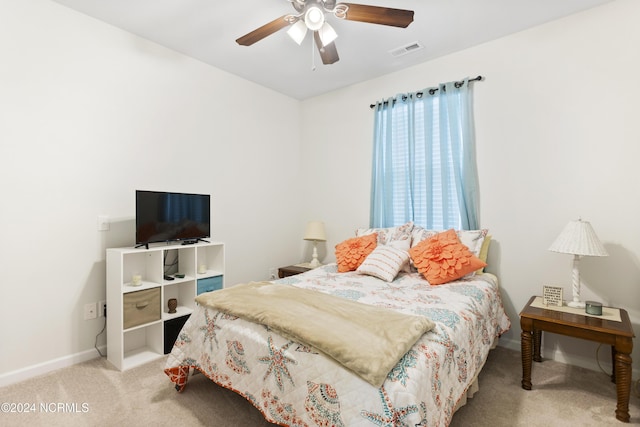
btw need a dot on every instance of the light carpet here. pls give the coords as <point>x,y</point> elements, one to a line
<point>95,394</point>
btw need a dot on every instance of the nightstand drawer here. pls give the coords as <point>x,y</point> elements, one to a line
<point>209,284</point>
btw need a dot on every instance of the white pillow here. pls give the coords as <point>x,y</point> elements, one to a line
<point>384,262</point>
<point>418,234</point>
<point>473,239</point>
<point>389,234</point>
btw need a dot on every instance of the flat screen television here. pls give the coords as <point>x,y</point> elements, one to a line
<point>166,217</point>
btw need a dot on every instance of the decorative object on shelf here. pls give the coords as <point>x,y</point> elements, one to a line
<point>136,280</point>
<point>202,269</point>
<point>552,295</point>
<point>593,307</point>
<point>315,233</point>
<point>578,239</point>
<point>173,303</point>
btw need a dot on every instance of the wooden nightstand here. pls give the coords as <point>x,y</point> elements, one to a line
<point>619,335</point>
<point>291,270</point>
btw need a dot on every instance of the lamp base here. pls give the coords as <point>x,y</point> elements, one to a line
<point>576,304</point>
<point>314,263</point>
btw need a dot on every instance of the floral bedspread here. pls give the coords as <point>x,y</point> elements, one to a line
<point>294,385</point>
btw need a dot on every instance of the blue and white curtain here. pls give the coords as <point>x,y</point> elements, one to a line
<point>424,166</point>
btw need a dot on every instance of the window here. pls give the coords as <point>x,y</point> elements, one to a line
<point>424,160</point>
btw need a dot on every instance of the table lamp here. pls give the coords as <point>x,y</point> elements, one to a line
<point>315,233</point>
<point>578,239</point>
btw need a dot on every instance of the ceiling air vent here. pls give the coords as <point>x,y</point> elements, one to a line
<point>408,48</point>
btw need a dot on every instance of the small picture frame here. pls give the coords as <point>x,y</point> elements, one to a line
<point>552,295</point>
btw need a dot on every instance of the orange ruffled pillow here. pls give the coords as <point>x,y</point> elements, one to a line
<point>352,252</point>
<point>443,258</point>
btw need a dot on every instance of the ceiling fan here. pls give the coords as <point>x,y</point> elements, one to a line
<point>310,15</point>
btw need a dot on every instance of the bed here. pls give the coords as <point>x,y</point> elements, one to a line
<point>294,383</point>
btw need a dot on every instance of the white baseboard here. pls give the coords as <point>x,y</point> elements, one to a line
<point>49,366</point>
<point>510,344</point>
<point>588,362</point>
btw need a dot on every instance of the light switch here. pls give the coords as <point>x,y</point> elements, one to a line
<point>103,223</point>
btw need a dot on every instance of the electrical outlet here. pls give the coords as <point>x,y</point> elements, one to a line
<point>102,309</point>
<point>90,311</point>
<point>273,273</point>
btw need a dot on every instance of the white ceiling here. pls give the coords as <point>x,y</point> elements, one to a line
<point>207,30</point>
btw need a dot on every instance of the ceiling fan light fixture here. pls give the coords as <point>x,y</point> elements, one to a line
<point>298,31</point>
<point>327,34</point>
<point>314,18</point>
<point>310,15</point>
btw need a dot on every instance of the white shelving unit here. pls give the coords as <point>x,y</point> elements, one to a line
<point>139,344</point>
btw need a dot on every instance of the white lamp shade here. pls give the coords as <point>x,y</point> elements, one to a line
<point>315,231</point>
<point>578,238</point>
<point>298,31</point>
<point>314,18</point>
<point>327,34</point>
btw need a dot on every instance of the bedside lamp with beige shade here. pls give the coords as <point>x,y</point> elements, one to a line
<point>578,239</point>
<point>315,233</point>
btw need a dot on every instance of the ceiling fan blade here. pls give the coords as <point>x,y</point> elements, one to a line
<point>378,15</point>
<point>264,31</point>
<point>328,53</point>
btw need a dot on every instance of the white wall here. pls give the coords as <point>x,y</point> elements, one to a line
<point>88,114</point>
<point>557,138</point>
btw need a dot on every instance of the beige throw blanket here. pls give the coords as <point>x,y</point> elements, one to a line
<point>366,339</point>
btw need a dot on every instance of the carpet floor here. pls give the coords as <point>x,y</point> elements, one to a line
<point>95,394</point>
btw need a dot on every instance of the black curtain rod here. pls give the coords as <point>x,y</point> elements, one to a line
<point>431,91</point>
